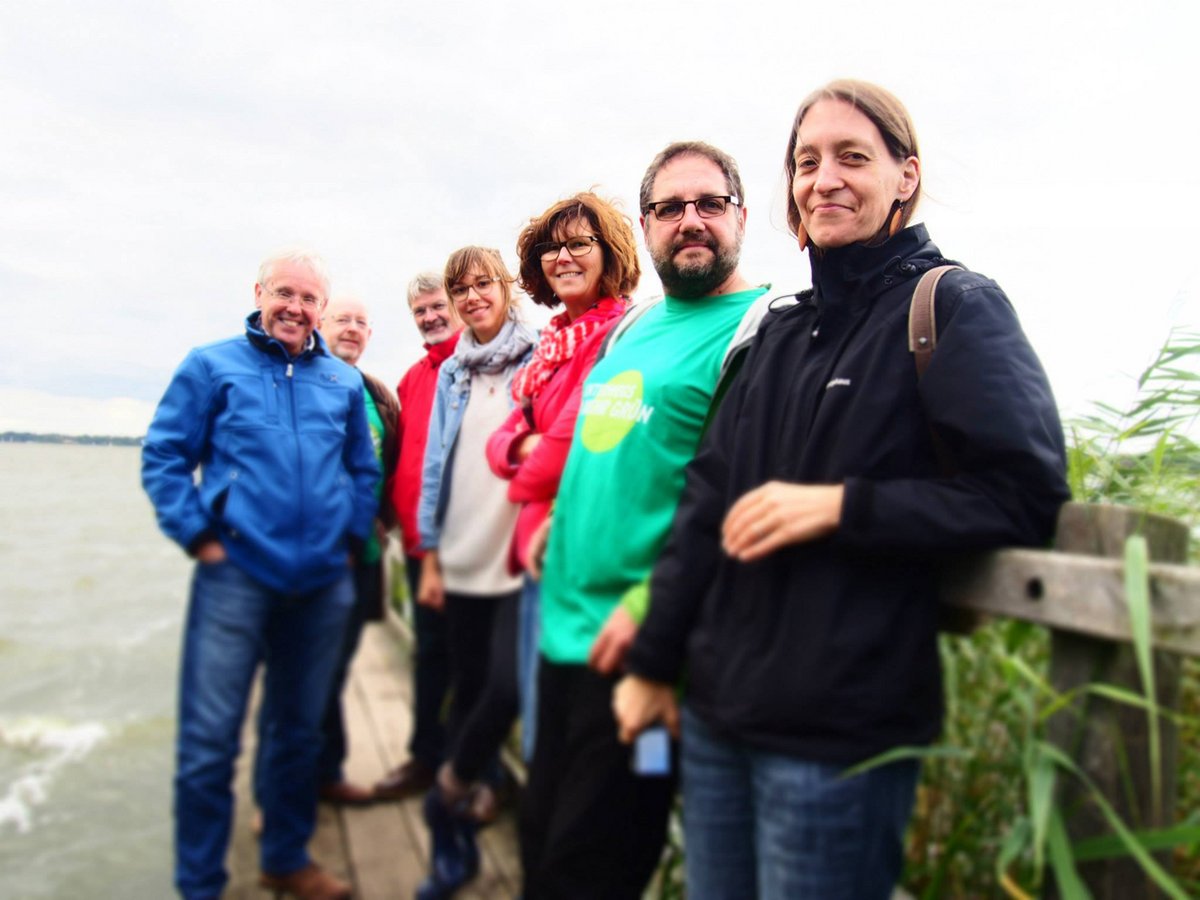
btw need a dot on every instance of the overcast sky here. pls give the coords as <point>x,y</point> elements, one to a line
<point>151,153</point>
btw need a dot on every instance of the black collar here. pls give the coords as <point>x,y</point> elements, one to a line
<point>856,274</point>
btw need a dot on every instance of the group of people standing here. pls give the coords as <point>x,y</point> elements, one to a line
<point>716,513</point>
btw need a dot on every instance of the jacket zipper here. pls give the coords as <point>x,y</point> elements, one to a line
<point>299,457</point>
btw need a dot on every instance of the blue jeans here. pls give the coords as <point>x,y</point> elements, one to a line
<point>233,624</point>
<point>772,826</point>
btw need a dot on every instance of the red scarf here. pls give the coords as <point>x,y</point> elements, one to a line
<point>558,343</point>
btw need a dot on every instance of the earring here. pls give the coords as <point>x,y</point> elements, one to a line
<point>895,217</point>
<point>801,235</point>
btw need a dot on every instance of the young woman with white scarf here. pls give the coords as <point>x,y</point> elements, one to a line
<point>466,522</point>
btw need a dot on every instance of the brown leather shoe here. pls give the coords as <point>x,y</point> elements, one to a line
<point>310,883</point>
<point>411,779</point>
<point>345,793</point>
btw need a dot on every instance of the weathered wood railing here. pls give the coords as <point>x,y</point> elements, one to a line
<point>1079,594</point>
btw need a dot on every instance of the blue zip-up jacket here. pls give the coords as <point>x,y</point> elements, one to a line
<point>288,470</point>
<point>445,419</point>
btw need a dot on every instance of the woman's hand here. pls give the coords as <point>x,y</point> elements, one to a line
<point>613,642</point>
<point>431,593</point>
<point>638,704</point>
<point>777,514</point>
<point>525,446</point>
<point>537,548</point>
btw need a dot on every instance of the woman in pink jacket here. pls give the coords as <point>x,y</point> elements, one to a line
<point>579,253</point>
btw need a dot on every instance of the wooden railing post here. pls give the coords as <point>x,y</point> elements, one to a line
<point>1108,740</point>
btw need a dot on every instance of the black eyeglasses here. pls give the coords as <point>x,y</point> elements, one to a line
<point>706,207</point>
<point>576,246</point>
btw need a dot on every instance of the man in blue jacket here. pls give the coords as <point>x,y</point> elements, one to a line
<point>282,508</point>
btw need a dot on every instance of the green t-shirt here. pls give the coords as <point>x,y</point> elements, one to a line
<point>644,405</point>
<point>371,547</point>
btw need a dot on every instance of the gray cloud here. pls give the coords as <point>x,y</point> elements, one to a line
<point>152,154</point>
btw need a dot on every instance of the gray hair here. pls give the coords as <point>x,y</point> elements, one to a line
<point>719,158</point>
<point>301,256</point>
<point>425,283</point>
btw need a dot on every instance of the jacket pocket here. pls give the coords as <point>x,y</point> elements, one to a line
<point>224,507</point>
<point>270,396</point>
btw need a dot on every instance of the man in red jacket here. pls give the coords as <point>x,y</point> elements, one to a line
<point>435,319</point>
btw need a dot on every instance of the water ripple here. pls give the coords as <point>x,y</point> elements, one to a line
<point>49,745</point>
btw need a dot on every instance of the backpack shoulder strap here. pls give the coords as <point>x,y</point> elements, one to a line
<point>922,338</point>
<point>922,317</point>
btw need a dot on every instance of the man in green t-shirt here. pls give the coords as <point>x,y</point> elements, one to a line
<point>590,827</point>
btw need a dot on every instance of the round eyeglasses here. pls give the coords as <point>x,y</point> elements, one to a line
<point>482,285</point>
<point>706,207</point>
<point>345,321</point>
<point>576,246</point>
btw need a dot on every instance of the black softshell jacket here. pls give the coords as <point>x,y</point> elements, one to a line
<point>827,650</point>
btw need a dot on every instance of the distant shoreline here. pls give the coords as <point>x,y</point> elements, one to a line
<point>103,440</point>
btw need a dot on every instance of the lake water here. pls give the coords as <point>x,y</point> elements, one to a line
<point>91,602</point>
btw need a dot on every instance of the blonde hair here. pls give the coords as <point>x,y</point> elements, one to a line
<point>462,261</point>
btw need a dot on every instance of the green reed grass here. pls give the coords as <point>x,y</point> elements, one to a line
<point>987,824</point>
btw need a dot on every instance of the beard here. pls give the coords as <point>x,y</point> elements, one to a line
<point>443,326</point>
<point>690,281</point>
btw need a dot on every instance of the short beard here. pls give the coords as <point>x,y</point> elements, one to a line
<point>695,280</point>
<point>449,329</point>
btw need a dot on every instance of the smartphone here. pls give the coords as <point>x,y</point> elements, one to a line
<point>652,752</point>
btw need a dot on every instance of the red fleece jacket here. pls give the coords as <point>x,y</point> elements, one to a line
<point>534,482</point>
<point>415,390</point>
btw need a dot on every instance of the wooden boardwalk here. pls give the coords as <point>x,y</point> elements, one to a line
<point>383,850</point>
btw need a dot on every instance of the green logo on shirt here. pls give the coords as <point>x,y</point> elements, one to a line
<point>610,410</point>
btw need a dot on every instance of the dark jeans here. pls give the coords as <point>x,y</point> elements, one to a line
<point>767,825</point>
<point>590,827</point>
<point>431,675</point>
<point>333,726</point>
<point>483,658</point>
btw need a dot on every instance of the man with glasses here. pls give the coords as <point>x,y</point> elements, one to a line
<point>346,328</point>
<point>436,321</point>
<point>283,506</point>
<point>590,826</point>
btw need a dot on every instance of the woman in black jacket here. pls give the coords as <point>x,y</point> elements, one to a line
<point>798,586</point>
